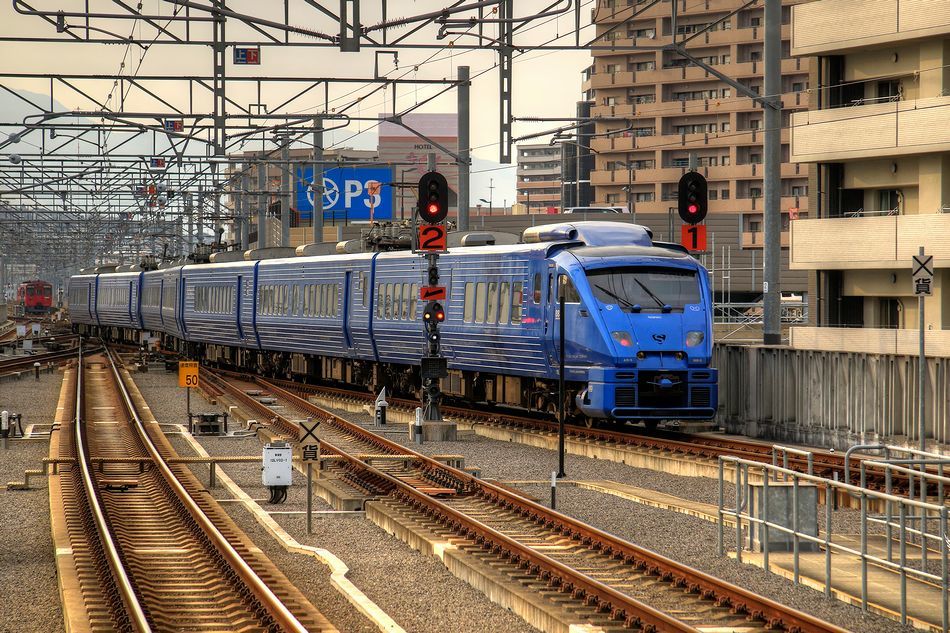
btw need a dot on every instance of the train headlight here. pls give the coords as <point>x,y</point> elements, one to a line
<point>694,338</point>
<point>623,338</point>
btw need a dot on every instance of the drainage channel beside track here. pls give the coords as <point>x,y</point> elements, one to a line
<point>563,569</point>
<point>140,543</point>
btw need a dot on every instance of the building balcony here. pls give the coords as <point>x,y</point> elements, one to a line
<point>731,206</point>
<point>756,239</point>
<point>818,28</point>
<point>874,130</point>
<point>902,342</point>
<point>883,242</point>
<point>695,107</point>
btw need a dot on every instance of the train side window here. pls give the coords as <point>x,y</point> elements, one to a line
<point>406,299</point>
<point>397,300</point>
<point>551,288</point>
<point>468,307</point>
<point>379,301</point>
<point>481,298</point>
<point>537,288</point>
<point>492,302</point>
<point>388,301</point>
<point>504,309</point>
<point>364,284</point>
<point>333,299</point>
<point>295,296</point>
<point>413,302</point>
<point>566,289</point>
<point>517,298</point>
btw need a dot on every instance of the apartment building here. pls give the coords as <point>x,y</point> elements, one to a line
<point>660,108</point>
<point>877,140</point>
<point>539,177</point>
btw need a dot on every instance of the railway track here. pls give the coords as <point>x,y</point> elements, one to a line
<point>824,463</point>
<point>608,581</point>
<point>25,363</point>
<point>152,550</point>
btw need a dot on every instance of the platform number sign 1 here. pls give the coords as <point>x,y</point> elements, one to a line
<point>693,237</point>
<point>187,374</point>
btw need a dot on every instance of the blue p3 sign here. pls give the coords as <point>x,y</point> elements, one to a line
<point>346,193</point>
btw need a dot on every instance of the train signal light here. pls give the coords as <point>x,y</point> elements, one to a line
<point>433,275</point>
<point>693,197</point>
<point>433,313</point>
<point>433,197</point>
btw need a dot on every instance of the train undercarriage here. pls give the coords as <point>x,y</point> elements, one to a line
<point>531,394</point>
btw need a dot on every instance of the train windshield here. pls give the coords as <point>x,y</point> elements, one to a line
<point>47,292</point>
<point>645,288</point>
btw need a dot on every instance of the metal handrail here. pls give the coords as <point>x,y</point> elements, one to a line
<point>123,583</point>
<point>277,609</point>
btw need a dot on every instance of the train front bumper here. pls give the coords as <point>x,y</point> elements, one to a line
<point>635,394</point>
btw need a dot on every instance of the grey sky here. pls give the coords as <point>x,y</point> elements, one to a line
<point>546,83</point>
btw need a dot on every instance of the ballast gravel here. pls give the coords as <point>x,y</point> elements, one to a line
<point>678,536</point>
<point>681,537</point>
<point>417,591</point>
<point>27,564</point>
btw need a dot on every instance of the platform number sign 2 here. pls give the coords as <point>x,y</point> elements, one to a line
<point>187,374</point>
<point>693,237</point>
<point>432,238</point>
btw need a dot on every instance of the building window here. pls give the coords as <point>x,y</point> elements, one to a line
<point>643,197</point>
<point>800,190</point>
<point>755,22</point>
<point>713,194</point>
<point>755,192</point>
<point>755,159</point>
<point>725,194</point>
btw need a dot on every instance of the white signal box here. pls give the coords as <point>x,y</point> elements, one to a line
<point>277,469</point>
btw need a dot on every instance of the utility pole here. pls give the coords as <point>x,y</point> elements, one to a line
<point>465,165</point>
<point>772,296</point>
<point>262,205</point>
<point>285,170</point>
<point>317,184</point>
<point>245,208</point>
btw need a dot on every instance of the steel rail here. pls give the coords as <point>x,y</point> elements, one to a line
<point>275,607</point>
<point>697,581</point>
<point>704,583</point>
<point>11,364</point>
<point>825,463</point>
<point>133,607</point>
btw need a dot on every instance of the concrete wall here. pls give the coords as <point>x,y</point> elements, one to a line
<point>830,399</point>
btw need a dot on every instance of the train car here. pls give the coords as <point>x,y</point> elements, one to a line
<point>637,320</point>
<point>150,302</point>
<point>216,307</point>
<point>117,304</point>
<point>35,297</point>
<point>81,300</point>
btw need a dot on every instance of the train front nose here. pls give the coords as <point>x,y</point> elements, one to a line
<point>661,371</point>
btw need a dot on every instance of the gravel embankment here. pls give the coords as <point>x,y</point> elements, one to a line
<point>681,537</point>
<point>686,539</point>
<point>417,591</point>
<point>27,565</point>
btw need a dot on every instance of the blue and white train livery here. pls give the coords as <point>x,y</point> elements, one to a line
<point>638,320</point>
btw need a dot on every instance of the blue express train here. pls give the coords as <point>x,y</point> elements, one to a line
<point>637,316</point>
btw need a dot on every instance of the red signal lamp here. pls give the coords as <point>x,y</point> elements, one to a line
<point>692,208</point>
<point>433,208</point>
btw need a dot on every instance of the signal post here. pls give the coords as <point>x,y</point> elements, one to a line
<point>432,211</point>
<point>693,204</point>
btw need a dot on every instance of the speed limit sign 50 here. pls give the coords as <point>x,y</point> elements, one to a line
<point>187,374</point>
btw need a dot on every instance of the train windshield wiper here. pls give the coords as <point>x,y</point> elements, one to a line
<point>650,292</point>
<point>620,299</point>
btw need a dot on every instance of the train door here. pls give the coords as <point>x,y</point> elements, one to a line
<point>131,298</point>
<point>348,294</point>
<point>237,307</point>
